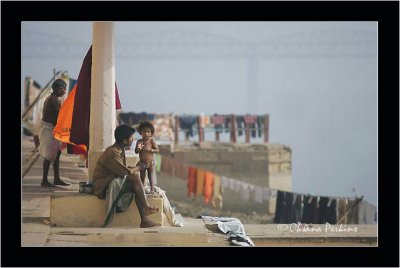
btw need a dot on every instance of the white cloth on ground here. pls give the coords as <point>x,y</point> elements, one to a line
<point>167,209</point>
<point>233,228</point>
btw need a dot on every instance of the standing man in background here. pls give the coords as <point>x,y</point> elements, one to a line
<point>49,147</point>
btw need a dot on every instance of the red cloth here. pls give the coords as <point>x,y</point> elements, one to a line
<point>81,114</point>
<point>72,149</point>
<point>250,119</point>
<point>208,186</point>
<point>81,107</point>
<point>192,175</point>
<point>117,101</point>
<point>218,119</point>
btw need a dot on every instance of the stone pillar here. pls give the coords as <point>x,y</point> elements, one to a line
<point>102,101</point>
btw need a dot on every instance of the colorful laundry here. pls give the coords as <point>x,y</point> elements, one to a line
<point>200,182</point>
<point>208,186</point>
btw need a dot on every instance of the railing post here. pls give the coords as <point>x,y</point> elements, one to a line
<point>216,131</point>
<point>201,130</point>
<point>233,128</point>
<point>176,129</point>
<point>247,132</point>
<point>266,128</point>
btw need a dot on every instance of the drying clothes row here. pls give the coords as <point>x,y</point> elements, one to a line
<point>259,193</point>
<point>294,208</point>
<point>189,123</point>
<point>205,183</point>
<point>210,185</point>
<point>361,212</point>
<point>255,123</point>
<point>199,182</point>
<point>174,168</point>
<point>135,118</point>
<point>163,123</point>
<point>163,127</point>
<point>290,207</point>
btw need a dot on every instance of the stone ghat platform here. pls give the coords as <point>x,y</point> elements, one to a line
<point>72,209</point>
<point>37,231</point>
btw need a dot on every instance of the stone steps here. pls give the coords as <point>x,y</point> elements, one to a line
<point>74,209</point>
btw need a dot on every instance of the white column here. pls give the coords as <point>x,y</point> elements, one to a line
<point>102,100</point>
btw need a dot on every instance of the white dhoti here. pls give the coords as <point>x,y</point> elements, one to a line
<point>49,146</point>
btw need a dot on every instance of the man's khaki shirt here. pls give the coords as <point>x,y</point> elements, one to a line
<point>111,164</point>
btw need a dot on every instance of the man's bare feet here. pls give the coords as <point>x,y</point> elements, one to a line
<point>60,182</point>
<point>149,224</point>
<point>151,210</point>
<point>47,184</point>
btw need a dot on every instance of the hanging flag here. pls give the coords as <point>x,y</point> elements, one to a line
<point>74,116</point>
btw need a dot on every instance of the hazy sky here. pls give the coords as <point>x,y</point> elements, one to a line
<point>317,80</point>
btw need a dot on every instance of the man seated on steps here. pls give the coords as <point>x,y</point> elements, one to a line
<point>112,166</point>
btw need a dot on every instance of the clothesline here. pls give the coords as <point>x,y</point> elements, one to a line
<point>249,185</point>
<point>170,125</point>
<point>135,118</point>
<point>290,206</point>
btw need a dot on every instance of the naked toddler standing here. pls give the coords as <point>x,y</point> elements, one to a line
<point>146,146</point>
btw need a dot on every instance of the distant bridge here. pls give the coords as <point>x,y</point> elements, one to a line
<point>333,43</point>
<point>187,44</point>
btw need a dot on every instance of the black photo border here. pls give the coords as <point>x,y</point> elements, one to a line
<point>386,13</point>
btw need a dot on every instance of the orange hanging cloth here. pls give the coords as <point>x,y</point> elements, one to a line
<point>208,186</point>
<point>62,130</point>
<point>200,182</point>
